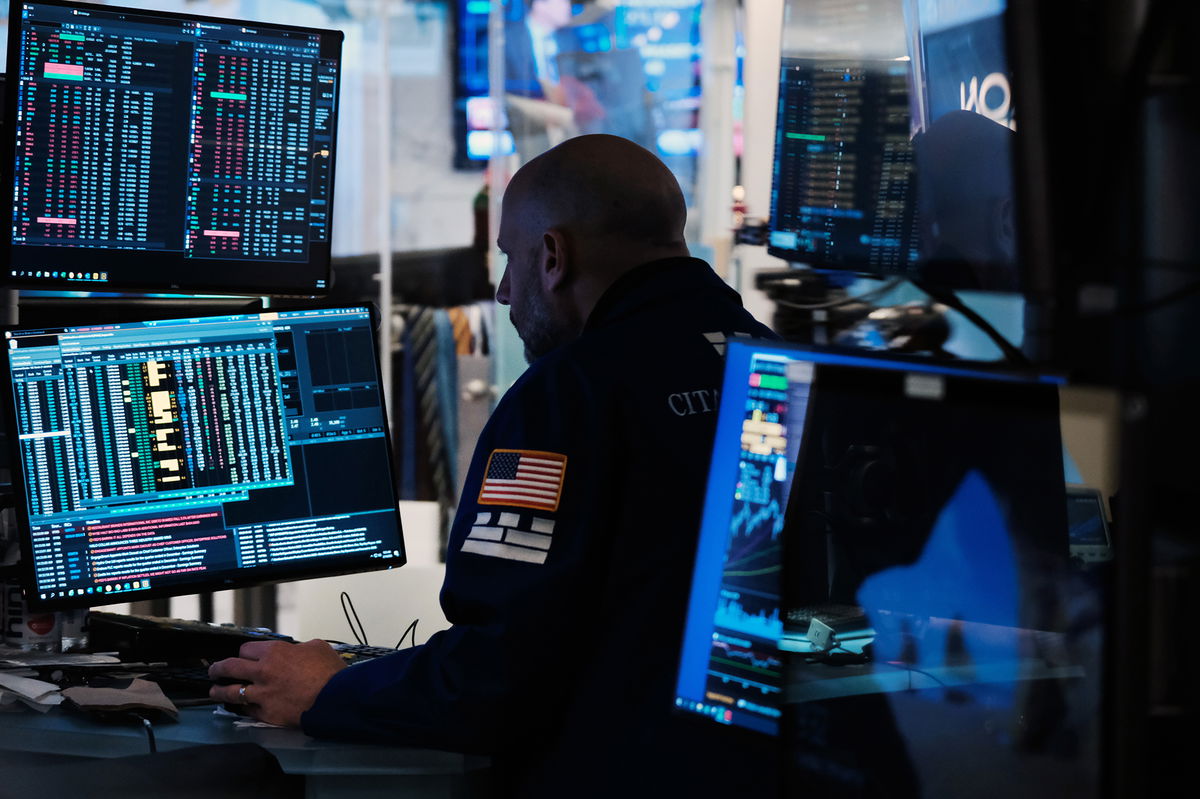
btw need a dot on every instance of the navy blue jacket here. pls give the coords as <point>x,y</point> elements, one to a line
<point>570,558</point>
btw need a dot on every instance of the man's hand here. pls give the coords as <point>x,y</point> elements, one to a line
<point>283,679</point>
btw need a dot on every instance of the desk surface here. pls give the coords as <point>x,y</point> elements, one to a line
<point>65,732</point>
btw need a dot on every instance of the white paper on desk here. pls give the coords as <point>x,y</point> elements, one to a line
<point>35,693</point>
<point>244,722</point>
<point>11,656</point>
<point>10,701</point>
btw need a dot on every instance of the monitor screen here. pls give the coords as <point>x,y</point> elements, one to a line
<point>894,142</point>
<point>939,634</point>
<point>624,68</point>
<point>1085,512</point>
<point>747,598</point>
<point>168,457</point>
<point>730,667</point>
<point>168,152</point>
<point>886,578</point>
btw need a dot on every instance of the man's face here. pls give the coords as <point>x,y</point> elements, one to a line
<point>531,307</point>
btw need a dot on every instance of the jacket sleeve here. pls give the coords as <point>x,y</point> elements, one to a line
<point>524,557</point>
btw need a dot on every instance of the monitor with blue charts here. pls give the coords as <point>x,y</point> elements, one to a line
<point>167,457</point>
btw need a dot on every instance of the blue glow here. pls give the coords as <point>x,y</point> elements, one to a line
<point>745,349</point>
<point>844,213</point>
<point>784,238</point>
<point>481,144</point>
<point>679,141</point>
<point>965,583</point>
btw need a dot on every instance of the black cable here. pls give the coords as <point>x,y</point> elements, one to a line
<point>910,671</point>
<point>149,728</point>
<point>1132,95</point>
<point>1156,25</point>
<point>1151,305</point>
<point>360,634</point>
<point>411,628</point>
<point>952,300</point>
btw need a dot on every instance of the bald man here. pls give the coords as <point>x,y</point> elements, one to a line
<point>569,560</point>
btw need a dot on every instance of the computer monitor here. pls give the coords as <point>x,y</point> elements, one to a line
<point>1090,539</point>
<point>894,142</point>
<point>786,470</point>
<point>167,152</point>
<point>170,457</point>
<point>933,505</point>
<point>731,670</point>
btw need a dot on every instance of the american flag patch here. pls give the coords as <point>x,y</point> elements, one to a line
<point>524,478</point>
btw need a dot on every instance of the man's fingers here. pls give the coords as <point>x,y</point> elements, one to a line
<point>275,684</point>
<point>235,669</point>
<point>256,650</point>
<point>232,694</point>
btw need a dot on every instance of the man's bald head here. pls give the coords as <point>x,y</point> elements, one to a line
<point>574,220</point>
<point>603,189</point>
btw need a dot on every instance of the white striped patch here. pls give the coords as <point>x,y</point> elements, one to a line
<point>718,339</point>
<point>487,533</point>
<point>535,540</point>
<point>510,536</point>
<point>506,551</point>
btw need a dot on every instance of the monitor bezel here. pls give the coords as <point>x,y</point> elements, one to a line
<point>234,579</point>
<point>176,261</point>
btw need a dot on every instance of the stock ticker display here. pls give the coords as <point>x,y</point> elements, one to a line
<point>731,670</point>
<point>207,143</point>
<point>894,144</point>
<point>843,189</point>
<point>160,455</point>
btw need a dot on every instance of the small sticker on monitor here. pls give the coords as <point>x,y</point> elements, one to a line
<point>930,387</point>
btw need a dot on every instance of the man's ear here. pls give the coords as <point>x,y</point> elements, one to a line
<point>556,264</point>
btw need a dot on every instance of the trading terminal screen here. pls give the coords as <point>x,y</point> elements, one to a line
<point>170,457</point>
<point>731,670</point>
<point>894,142</point>
<point>168,152</point>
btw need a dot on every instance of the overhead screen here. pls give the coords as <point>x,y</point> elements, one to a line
<point>168,152</point>
<point>894,142</point>
<point>624,68</point>
<point>169,457</point>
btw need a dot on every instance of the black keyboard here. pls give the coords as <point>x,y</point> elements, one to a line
<point>150,639</point>
<point>186,683</point>
<point>189,683</point>
<point>357,653</point>
<point>836,615</point>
